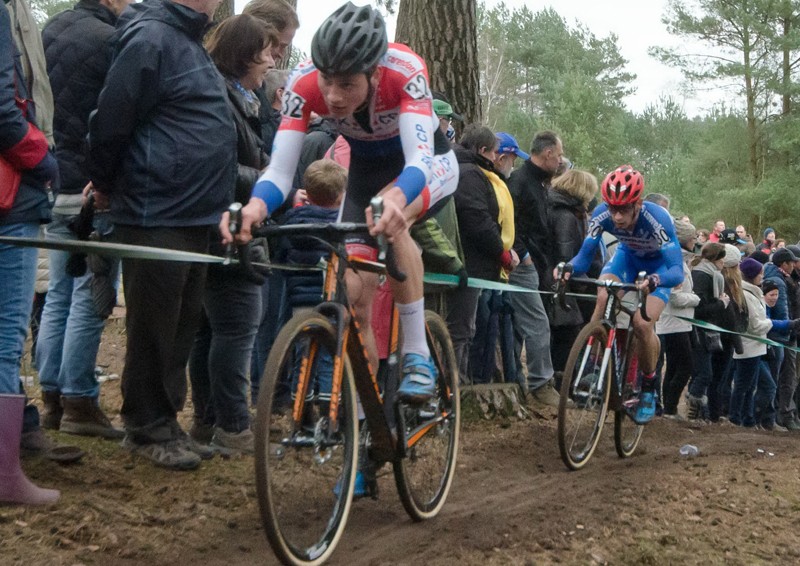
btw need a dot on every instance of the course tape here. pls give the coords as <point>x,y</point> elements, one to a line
<point>475,283</point>
<point>709,326</point>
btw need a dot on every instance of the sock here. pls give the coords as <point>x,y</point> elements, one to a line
<point>649,381</point>
<point>412,326</point>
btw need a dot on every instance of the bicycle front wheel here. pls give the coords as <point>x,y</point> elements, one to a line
<point>626,432</point>
<point>425,475</point>
<point>584,397</point>
<point>306,461</point>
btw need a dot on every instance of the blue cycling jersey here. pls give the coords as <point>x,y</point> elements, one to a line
<point>652,240</point>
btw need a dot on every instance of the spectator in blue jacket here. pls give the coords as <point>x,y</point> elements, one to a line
<point>162,151</point>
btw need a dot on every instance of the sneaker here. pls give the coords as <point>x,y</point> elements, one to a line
<point>547,395</point>
<point>201,432</point>
<point>360,490</point>
<point>419,379</point>
<point>230,443</point>
<point>695,407</point>
<point>791,425</point>
<point>645,408</point>
<point>774,427</point>
<point>172,454</point>
<point>190,444</point>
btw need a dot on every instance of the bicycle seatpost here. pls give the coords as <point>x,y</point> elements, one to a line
<point>234,225</point>
<point>377,211</point>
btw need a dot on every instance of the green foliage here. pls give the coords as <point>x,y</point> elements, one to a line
<point>43,10</point>
<point>740,162</point>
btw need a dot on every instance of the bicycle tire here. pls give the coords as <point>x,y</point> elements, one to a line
<point>424,476</point>
<point>627,433</point>
<point>582,408</point>
<point>304,491</point>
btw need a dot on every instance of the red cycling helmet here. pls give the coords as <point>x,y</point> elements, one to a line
<point>624,185</point>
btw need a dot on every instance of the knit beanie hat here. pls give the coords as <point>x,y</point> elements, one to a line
<point>760,257</point>
<point>768,285</point>
<point>686,232</point>
<point>750,268</point>
<point>767,231</point>
<point>732,256</point>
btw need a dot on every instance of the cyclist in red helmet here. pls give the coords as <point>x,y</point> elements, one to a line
<point>647,242</point>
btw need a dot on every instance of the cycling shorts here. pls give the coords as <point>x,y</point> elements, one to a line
<point>369,175</point>
<point>626,267</point>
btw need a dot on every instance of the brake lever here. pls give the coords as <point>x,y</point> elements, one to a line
<point>642,296</point>
<point>561,291</point>
<point>385,250</point>
<point>234,225</point>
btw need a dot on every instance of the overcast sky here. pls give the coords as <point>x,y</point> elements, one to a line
<point>637,24</point>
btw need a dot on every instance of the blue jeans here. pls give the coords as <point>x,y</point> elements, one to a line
<point>274,313</point>
<point>753,391</point>
<point>222,348</point>
<point>531,328</point>
<point>17,278</point>
<point>70,332</point>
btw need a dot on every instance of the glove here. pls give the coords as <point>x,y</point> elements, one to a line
<point>795,325</point>
<point>505,260</point>
<point>463,278</point>
<point>653,281</point>
<point>45,174</point>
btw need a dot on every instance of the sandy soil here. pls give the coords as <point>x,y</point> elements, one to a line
<point>513,502</point>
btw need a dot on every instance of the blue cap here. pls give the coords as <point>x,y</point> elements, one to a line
<point>509,145</point>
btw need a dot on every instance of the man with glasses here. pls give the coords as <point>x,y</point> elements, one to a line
<point>647,242</point>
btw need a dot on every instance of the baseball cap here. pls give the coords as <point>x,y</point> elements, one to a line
<point>728,236</point>
<point>507,144</point>
<point>443,109</point>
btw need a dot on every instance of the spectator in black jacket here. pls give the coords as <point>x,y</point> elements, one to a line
<point>78,53</point>
<point>481,236</point>
<point>163,152</point>
<point>270,117</point>
<point>528,186</point>
<point>240,47</point>
<point>568,201</point>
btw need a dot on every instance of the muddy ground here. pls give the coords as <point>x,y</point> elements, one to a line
<point>513,502</point>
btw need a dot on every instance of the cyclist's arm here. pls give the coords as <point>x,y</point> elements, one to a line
<point>583,261</point>
<point>671,272</point>
<point>416,137</point>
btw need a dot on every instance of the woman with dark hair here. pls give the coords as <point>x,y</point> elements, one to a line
<point>241,48</point>
<point>709,285</point>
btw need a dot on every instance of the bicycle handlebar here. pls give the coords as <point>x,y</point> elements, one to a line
<point>605,283</point>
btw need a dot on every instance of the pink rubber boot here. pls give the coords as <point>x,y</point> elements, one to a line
<point>15,487</point>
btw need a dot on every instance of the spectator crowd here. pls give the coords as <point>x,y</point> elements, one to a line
<point>134,123</point>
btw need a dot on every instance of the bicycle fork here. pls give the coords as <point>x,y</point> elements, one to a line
<point>599,384</point>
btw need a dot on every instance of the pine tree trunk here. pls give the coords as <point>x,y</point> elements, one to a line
<point>444,33</point>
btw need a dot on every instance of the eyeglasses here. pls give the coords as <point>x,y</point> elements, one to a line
<point>620,209</point>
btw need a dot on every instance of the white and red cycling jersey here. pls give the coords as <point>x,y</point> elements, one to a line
<point>400,118</point>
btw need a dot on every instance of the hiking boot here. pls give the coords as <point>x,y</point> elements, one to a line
<point>419,379</point>
<point>201,432</point>
<point>645,408</point>
<point>695,407</point>
<point>52,411</point>
<point>188,443</point>
<point>37,443</point>
<point>83,416</point>
<point>546,395</point>
<point>229,443</point>
<point>171,454</point>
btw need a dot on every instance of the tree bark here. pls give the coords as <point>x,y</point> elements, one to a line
<point>444,33</point>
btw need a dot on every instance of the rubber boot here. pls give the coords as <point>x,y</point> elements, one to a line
<point>15,487</point>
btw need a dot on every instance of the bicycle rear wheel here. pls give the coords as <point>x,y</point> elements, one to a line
<point>425,475</point>
<point>305,468</point>
<point>626,432</point>
<point>584,399</point>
